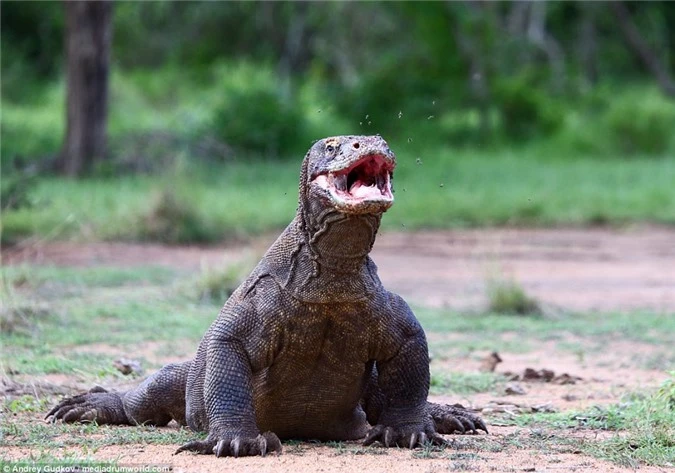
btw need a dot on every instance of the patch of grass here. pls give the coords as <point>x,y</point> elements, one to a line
<point>649,424</point>
<point>666,392</point>
<point>463,383</point>
<point>16,317</point>
<point>112,308</point>
<point>32,276</point>
<point>644,426</point>
<point>509,297</point>
<point>430,451</point>
<point>172,219</point>
<point>217,285</point>
<point>649,327</point>
<point>224,202</point>
<point>247,197</point>
<point>19,432</point>
<point>47,361</point>
<point>344,449</point>
<point>25,404</point>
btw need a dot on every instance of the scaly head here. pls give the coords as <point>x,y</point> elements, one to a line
<point>350,174</point>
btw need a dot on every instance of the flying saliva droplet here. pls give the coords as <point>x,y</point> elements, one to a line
<point>361,123</point>
<point>418,161</point>
<point>367,117</point>
<point>404,189</point>
<point>409,140</point>
<point>318,111</point>
<point>369,123</point>
<point>400,114</point>
<point>441,185</point>
<point>430,117</point>
<point>403,225</point>
<point>433,102</point>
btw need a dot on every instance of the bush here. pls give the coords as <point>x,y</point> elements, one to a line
<point>616,123</point>
<point>525,110</point>
<point>253,116</point>
<point>641,123</point>
<point>171,219</point>
<point>509,298</point>
<point>15,190</point>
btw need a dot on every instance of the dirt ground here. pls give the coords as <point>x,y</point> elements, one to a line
<point>571,269</point>
<point>565,269</point>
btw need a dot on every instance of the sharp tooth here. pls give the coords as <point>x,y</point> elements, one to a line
<point>380,181</point>
<point>341,182</point>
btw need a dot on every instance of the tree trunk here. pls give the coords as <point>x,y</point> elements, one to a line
<point>540,37</point>
<point>587,44</point>
<point>640,47</point>
<point>88,39</point>
<point>293,48</point>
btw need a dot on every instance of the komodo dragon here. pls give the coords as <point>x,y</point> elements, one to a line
<point>310,346</point>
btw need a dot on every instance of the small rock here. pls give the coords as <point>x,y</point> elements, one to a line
<point>511,376</point>
<point>565,379</point>
<point>127,367</point>
<point>514,388</point>
<point>546,407</point>
<point>531,374</point>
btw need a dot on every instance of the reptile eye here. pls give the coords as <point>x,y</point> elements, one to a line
<point>330,148</point>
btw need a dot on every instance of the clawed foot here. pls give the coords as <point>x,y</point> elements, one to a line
<point>237,446</point>
<point>402,437</point>
<point>97,405</point>
<point>455,419</point>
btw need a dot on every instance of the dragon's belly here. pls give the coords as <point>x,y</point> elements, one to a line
<point>314,386</point>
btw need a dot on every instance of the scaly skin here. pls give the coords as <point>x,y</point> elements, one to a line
<point>310,346</point>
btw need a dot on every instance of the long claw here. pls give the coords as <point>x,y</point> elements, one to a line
<point>198,446</point>
<point>438,440</point>
<point>481,425</point>
<point>272,442</point>
<point>75,415</point>
<point>235,445</point>
<point>373,435</point>
<point>222,448</point>
<point>52,411</point>
<point>423,439</point>
<point>388,437</point>
<point>413,439</point>
<point>262,445</point>
<point>468,425</point>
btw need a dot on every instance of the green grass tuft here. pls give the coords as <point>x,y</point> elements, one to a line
<point>173,219</point>
<point>509,297</point>
<point>464,383</point>
<point>217,285</point>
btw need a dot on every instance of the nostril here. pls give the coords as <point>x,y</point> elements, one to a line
<point>356,145</point>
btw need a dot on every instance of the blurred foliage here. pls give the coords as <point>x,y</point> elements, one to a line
<point>252,116</point>
<point>639,122</point>
<point>526,110</point>
<point>171,218</point>
<point>265,78</point>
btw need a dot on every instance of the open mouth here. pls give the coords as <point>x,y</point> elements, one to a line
<point>367,180</point>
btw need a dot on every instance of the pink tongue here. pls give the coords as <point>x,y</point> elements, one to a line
<point>363,192</point>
